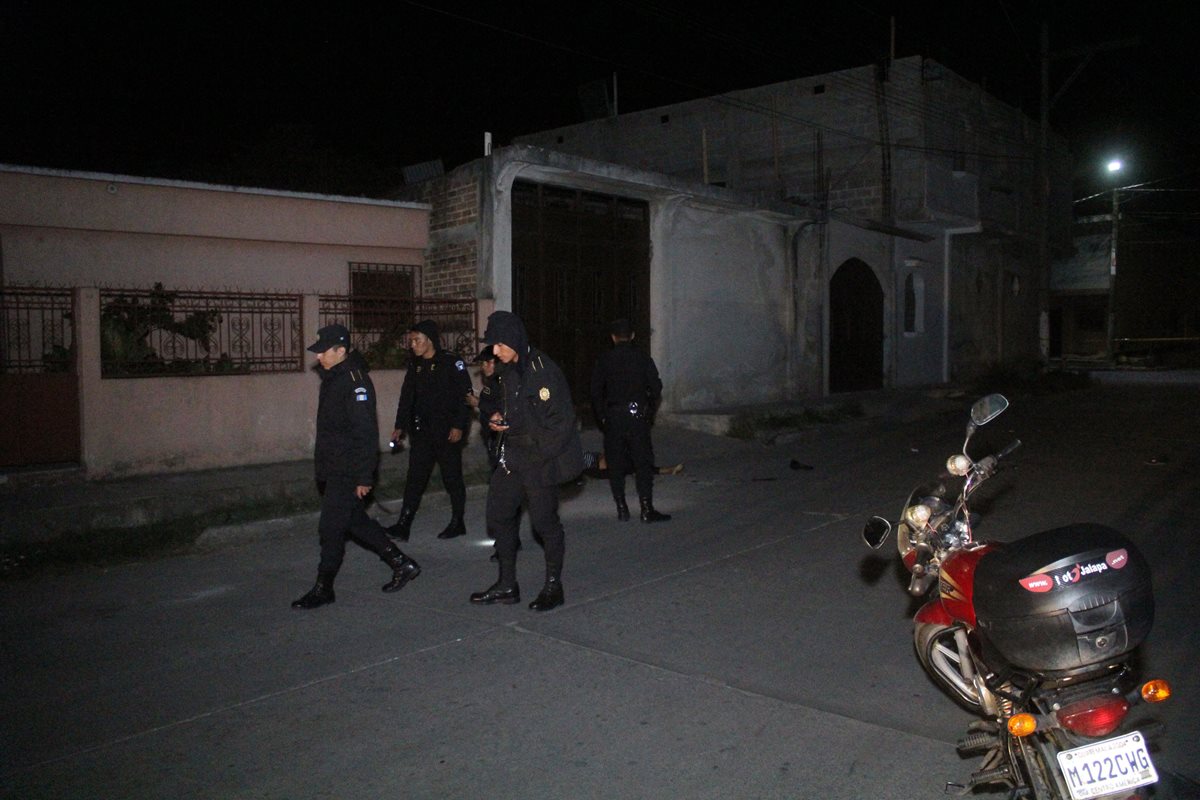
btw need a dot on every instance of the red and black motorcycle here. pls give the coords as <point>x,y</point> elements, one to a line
<point>1035,636</point>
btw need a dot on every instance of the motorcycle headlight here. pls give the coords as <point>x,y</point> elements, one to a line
<point>958,465</point>
<point>917,515</point>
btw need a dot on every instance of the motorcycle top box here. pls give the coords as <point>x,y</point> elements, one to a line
<point>1063,601</point>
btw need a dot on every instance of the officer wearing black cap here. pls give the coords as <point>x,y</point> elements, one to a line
<point>346,456</point>
<point>488,402</point>
<point>626,391</point>
<point>434,413</point>
<point>540,450</point>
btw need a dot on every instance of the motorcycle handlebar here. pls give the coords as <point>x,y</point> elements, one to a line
<point>987,466</point>
<point>1008,451</point>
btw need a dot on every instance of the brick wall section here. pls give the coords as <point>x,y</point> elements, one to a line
<point>450,270</point>
<point>452,258</point>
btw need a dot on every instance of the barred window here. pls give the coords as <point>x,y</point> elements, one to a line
<point>398,284</point>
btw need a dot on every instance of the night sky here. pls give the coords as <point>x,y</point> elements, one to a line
<point>338,98</point>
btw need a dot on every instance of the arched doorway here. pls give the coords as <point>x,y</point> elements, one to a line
<point>855,329</point>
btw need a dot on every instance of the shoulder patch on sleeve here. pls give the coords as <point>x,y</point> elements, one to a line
<point>459,365</point>
<point>361,393</point>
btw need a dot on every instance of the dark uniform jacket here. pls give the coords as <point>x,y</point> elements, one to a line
<point>622,376</point>
<point>542,440</point>
<point>490,400</point>
<point>347,445</point>
<point>433,396</point>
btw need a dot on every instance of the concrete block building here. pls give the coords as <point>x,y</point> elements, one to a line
<point>877,226</point>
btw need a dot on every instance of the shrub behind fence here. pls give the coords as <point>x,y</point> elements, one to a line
<point>379,325</point>
<point>158,332</point>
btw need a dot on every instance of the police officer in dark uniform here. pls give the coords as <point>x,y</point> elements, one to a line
<point>434,413</point>
<point>626,391</point>
<point>540,449</point>
<point>487,403</point>
<point>346,456</point>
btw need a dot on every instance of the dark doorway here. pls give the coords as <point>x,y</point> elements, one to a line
<point>39,390</point>
<point>579,260</point>
<point>41,419</point>
<point>855,329</point>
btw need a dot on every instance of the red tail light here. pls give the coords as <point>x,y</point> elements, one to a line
<point>1095,716</point>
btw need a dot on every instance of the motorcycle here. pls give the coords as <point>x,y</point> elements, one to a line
<point>1035,636</point>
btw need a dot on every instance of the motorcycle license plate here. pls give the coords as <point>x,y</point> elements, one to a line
<point>1109,766</point>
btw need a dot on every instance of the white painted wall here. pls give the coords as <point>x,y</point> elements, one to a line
<point>724,305</point>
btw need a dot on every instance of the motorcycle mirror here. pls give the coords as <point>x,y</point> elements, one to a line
<point>987,409</point>
<point>876,531</point>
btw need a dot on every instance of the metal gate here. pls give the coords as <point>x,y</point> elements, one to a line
<point>580,260</point>
<point>39,391</point>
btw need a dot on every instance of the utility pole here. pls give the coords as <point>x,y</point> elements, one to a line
<point>1043,162</point>
<point>1112,276</point>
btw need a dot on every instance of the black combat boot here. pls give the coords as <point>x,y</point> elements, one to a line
<point>504,591</point>
<point>551,595</point>
<point>455,528</point>
<point>403,526</point>
<point>320,594</point>
<point>622,509</point>
<point>649,514</point>
<point>496,593</point>
<point>404,569</point>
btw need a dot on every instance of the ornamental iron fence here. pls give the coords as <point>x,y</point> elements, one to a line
<point>37,333</point>
<point>156,332</point>
<point>379,324</point>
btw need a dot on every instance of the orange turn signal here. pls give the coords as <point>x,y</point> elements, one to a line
<point>1022,724</point>
<point>1156,691</point>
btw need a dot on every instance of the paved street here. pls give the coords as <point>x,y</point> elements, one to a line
<point>753,647</point>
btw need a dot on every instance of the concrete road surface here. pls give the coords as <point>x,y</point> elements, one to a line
<point>750,648</point>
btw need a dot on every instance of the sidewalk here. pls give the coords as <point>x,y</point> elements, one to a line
<point>44,506</point>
